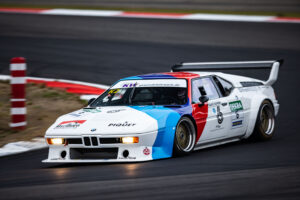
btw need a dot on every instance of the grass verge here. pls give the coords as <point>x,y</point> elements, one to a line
<point>43,104</point>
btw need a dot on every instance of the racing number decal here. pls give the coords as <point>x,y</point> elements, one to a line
<point>219,115</point>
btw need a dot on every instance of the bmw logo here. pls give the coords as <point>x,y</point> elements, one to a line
<point>93,129</point>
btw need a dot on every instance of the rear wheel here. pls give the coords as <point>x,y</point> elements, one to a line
<point>185,137</point>
<point>265,122</point>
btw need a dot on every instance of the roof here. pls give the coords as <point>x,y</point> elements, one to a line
<point>164,75</point>
<point>234,79</point>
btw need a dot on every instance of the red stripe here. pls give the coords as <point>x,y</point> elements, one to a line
<point>77,121</point>
<point>185,75</point>
<point>18,118</point>
<point>70,87</point>
<point>18,91</point>
<point>18,104</point>
<point>292,19</point>
<point>200,115</point>
<point>85,91</point>
<point>149,14</point>
<point>16,59</point>
<point>18,73</point>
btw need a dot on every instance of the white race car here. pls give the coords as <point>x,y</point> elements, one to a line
<point>157,116</point>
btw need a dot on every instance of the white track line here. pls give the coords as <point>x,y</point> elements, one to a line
<point>22,146</point>
<point>77,12</point>
<point>217,17</point>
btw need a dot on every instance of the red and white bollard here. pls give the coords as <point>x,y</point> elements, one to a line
<point>18,101</point>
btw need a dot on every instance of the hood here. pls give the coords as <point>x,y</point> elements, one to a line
<point>109,120</point>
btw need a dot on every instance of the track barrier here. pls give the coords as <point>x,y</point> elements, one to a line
<point>18,99</point>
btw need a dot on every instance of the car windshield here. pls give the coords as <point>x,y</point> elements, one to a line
<point>139,94</point>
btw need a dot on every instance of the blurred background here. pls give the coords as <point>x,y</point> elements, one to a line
<point>272,6</point>
<point>104,49</point>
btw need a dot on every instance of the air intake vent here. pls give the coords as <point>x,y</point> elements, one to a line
<point>93,153</point>
<point>251,83</point>
<point>94,141</point>
<point>110,140</point>
<point>87,141</point>
<point>74,141</point>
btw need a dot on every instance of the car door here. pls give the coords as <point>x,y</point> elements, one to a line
<point>218,118</point>
<point>234,108</point>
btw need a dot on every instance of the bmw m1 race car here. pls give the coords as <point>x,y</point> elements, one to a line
<point>162,115</point>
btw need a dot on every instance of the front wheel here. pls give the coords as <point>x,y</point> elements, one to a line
<point>265,122</point>
<point>185,137</point>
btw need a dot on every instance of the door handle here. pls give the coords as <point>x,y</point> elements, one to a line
<point>224,104</point>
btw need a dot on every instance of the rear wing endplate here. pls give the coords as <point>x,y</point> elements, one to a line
<point>239,65</point>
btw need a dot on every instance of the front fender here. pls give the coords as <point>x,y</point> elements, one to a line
<point>167,120</point>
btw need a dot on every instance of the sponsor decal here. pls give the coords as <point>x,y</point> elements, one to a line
<point>129,85</point>
<point>214,104</point>
<point>237,123</point>
<point>219,115</point>
<point>237,119</point>
<point>236,106</point>
<point>217,128</point>
<point>159,85</point>
<point>115,111</point>
<point>146,151</point>
<point>214,110</point>
<point>122,124</point>
<point>92,110</point>
<point>70,124</point>
<point>113,91</point>
<point>129,157</point>
<point>237,115</point>
<point>220,119</point>
<point>57,159</point>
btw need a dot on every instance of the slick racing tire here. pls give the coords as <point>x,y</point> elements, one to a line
<point>185,137</point>
<point>265,122</point>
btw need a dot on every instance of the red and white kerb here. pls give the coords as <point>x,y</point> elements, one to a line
<point>18,81</point>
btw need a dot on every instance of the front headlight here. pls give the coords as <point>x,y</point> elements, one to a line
<point>56,141</point>
<point>130,140</point>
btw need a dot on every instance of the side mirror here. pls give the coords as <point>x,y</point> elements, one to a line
<point>202,100</point>
<point>91,100</point>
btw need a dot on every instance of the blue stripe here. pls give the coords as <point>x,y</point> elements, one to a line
<point>148,76</point>
<point>131,78</point>
<point>167,120</point>
<point>156,76</point>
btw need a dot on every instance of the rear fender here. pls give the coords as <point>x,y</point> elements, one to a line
<point>254,109</point>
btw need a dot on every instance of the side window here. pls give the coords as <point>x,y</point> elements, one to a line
<point>225,86</point>
<point>203,86</point>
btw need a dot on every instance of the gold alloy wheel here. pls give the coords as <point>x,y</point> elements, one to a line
<point>184,136</point>
<point>267,119</point>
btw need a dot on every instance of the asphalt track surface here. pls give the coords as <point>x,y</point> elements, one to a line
<point>102,50</point>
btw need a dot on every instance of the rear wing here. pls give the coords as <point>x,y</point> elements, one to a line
<point>202,66</point>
